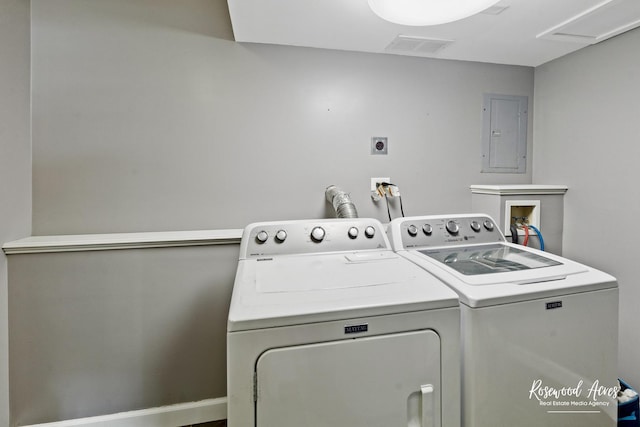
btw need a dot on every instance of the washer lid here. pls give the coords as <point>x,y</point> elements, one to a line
<point>490,259</point>
<point>509,274</point>
<point>484,265</point>
<point>291,290</point>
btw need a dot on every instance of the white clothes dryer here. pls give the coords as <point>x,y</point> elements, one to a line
<point>539,332</point>
<point>329,327</point>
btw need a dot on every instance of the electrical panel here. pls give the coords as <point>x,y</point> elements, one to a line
<point>504,133</point>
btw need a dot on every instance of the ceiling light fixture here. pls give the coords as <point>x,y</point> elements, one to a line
<point>427,12</point>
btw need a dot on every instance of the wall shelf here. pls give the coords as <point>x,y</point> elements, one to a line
<point>520,190</point>
<point>102,242</point>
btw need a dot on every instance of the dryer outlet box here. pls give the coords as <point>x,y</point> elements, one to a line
<point>529,209</point>
<point>379,145</point>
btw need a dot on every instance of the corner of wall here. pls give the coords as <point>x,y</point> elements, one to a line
<point>15,166</point>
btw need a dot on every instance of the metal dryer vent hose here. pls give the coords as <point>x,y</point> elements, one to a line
<point>341,202</point>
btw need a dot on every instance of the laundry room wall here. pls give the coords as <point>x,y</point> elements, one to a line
<point>15,158</point>
<point>103,332</point>
<point>586,136</point>
<point>148,116</point>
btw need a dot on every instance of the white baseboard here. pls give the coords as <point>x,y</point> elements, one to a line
<point>181,414</point>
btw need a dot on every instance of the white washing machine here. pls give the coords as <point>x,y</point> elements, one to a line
<point>329,327</point>
<point>539,332</point>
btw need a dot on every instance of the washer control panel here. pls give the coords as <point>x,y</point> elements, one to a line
<point>312,236</point>
<point>452,230</point>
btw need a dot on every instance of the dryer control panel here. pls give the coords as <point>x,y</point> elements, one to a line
<point>312,236</point>
<point>450,230</point>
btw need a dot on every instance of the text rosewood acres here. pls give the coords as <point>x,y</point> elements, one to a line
<point>544,392</point>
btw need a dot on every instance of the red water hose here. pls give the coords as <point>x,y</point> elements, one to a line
<point>526,234</point>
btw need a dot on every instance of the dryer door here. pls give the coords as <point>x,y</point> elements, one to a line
<point>381,381</point>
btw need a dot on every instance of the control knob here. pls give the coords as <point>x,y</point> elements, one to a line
<point>427,229</point>
<point>369,232</point>
<point>475,226</point>
<point>412,230</point>
<point>452,227</point>
<point>352,233</point>
<point>262,237</point>
<point>488,225</point>
<point>281,236</point>
<point>317,234</point>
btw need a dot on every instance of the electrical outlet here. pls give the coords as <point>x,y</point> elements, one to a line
<point>374,181</point>
<point>379,145</point>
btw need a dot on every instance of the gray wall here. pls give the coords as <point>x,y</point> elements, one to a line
<point>147,116</point>
<point>15,158</point>
<point>111,331</point>
<point>587,107</point>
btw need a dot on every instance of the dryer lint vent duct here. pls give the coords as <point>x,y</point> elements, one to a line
<point>341,202</point>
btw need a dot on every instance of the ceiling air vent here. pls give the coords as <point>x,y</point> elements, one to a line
<point>603,21</point>
<point>417,45</point>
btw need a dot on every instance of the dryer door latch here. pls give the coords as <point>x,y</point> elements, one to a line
<point>427,405</point>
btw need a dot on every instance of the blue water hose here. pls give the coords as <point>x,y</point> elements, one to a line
<point>535,229</point>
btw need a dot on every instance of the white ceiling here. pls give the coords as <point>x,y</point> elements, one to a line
<point>527,32</point>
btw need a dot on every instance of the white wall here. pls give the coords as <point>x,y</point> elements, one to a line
<point>15,157</point>
<point>587,107</point>
<point>147,116</point>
